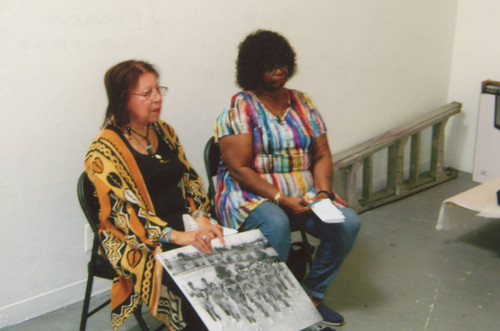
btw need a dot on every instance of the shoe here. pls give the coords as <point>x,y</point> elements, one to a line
<point>330,316</point>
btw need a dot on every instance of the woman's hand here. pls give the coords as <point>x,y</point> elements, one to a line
<point>214,230</point>
<point>197,238</point>
<point>200,238</point>
<point>336,199</point>
<point>321,196</point>
<point>297,205</point>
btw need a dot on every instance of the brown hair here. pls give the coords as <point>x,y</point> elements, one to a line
<point>119,81</point>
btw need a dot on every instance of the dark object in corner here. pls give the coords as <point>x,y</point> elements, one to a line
<point>498,197</point>
<point>493,87</point>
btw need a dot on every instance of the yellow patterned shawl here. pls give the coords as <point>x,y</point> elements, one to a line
<point>129,229</point>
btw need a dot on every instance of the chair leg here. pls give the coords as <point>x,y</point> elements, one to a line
<point>310,253</point>
<point>86,302</point>
<point>88,290</point>
<point>140,319</point>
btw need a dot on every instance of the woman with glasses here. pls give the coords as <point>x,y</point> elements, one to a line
<point>276,161</point>
<point>145,187</point>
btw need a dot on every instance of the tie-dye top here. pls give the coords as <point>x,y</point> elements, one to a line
<point>282,151</point>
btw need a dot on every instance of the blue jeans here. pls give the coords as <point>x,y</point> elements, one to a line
<point>336,240</point>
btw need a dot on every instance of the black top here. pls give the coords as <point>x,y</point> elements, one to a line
<point>162,173</point>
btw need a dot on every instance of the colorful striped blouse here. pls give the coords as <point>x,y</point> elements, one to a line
<point>282,152</point>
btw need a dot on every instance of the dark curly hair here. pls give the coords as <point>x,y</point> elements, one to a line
<point>119,80</point>
<point>262,51</point>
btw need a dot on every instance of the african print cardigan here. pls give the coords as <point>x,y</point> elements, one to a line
<point>129,229</point>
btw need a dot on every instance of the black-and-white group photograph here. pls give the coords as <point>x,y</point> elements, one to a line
<point>242,285</point>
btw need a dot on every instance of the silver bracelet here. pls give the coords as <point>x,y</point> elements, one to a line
<point>199,212</point>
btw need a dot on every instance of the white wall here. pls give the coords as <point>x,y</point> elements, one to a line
<point>476,56</point>
<point>369,66</point>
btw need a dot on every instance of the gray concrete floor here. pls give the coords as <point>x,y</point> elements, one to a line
<point>401,275</point>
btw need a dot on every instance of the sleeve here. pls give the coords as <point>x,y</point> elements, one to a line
<point>312,118</point>
<point>195,195</point>
<point>236,118</point>
<point>123,211</point>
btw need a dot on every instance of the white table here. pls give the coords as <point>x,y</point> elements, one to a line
<point>481,199</point>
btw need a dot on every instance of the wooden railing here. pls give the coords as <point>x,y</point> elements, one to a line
<point>357,163</point>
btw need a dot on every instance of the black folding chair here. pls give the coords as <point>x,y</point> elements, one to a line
<point>301,252</point>
<point>212,157</point>
<point>98,265</point>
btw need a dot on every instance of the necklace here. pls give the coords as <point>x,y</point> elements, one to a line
<point>278,111</point>
<point>149,147</point>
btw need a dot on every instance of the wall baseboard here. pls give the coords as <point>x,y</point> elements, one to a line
<point>44,303</point>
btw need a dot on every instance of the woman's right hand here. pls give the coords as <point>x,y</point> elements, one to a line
<point>201,239</point>
<point>297,205</point>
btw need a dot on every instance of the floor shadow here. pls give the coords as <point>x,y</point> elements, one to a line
<point>485,237</point>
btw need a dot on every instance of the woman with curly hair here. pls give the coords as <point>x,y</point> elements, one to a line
<point>276,161</point>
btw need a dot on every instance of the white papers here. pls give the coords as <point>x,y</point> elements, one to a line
<point>327,211</point>
<point>228,231</point>
<point>191,225</point>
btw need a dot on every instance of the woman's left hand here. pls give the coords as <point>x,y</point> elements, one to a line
<point>336,199</point>
<point>212,230</point>
<point>320,196</point>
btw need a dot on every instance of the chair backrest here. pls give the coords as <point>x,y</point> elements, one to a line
<point>211,157</point>
<point>88,202</point>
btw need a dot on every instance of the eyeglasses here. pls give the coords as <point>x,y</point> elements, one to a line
<point>277,67</point>
<point>161,90</point>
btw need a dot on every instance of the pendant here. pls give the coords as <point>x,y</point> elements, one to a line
<point>149,148</point>
<point>160,158</point>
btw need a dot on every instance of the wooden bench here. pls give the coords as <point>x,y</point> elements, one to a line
<point>357,163</point>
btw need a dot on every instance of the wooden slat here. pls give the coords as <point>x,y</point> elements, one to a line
<point>368,177</point>
<point>396,166</point>
<point>352,182</point>
<point>437,154</point>
<point>415,158</point>
<point>392,168</point>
